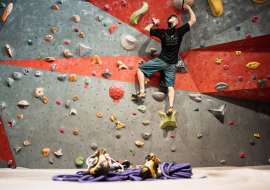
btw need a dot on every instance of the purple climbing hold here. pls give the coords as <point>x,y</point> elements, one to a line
<point>3,106</point>
<point>38,73</point>
<point>94,73</point>
<point>26,71</point>
<point>255,19</point>
<point>10,162</point>
<point>11,123</point>
<point>240,78</point>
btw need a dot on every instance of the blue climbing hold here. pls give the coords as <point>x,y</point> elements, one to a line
<point>202,44</point>
<point>174,163</point>
<point>254,77</point>
<point>237,28</point>
<point>3,5</point>
<point>29,42</point>
<point>196,109</point>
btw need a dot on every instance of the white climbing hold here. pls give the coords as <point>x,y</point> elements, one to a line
<point>84,49</point>
<point>196,97</point>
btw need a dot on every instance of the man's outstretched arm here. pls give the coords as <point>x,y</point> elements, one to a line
<point>147,28</point>
<point>191,13</point>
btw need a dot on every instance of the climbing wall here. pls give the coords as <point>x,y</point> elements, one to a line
<point>41,122</point>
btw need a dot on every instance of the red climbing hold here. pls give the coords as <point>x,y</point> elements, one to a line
<point>62,130</point>
<point>116,92</point>
<point>241,155</point>
<point>268,77</point>
<point>231,123</point>
<point>248,36</point>
<point>134,113</point>
<point>240,78</point>
<point>113,28</point>
<point>107,7</point>
<point>172,136</point>
<point>255,19</point>
<point>170,127</point>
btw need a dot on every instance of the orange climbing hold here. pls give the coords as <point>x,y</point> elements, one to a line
<point>75,97</point>
<point>96,59</point>
<point>20,116</point>
<point>45,100</point>
<point>72,78</point>
<point>75,132</point>
<point>113,28</point>
<point>46,151</point>
<point>99,115</point>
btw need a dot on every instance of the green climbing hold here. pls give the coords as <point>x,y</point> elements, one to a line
<point>62,1</point>
<point>86,80</point>
<point>79,161</point>
<point>167,120</point>
<point>107,23</point>
<point>29,42</point>
<point>142,108</point>
<point>3,5</point>
<point>100,18</point>
<point>40,55</point>
<point>136,15</point>
<point>133,151</point>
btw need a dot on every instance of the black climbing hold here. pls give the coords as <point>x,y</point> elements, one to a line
<point>252,142</point>
<point>146,135</point>
<point>118,136</point>
<point>218,113</point>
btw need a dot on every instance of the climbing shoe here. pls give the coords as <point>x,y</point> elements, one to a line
<point>139,95</point>
<point>169,111</point>
<point>150,168</point>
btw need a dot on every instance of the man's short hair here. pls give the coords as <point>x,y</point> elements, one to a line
<point>170,24</point>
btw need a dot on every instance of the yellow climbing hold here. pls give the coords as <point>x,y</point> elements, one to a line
<point>120,125</point>
<point>146,80</point>
<point>238,52</point>
<point>259,1</point>
<point>218,61</point>
<point>136,15</point>
<point>113,117</point>
<point>139,143</point>
<point>257,135</point>
<point>216,7</point>
<point>253,65</point>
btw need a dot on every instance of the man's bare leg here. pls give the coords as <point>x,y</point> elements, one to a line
<point>171,95</point>
<point>141,79</point>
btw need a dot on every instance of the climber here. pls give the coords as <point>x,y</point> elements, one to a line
<point>166,62</point>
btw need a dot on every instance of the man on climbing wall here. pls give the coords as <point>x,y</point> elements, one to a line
<point>166,62</point>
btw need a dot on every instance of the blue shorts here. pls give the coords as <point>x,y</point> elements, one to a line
<point>156,65</point>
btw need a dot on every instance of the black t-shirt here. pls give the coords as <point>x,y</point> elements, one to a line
<point>170,42</point>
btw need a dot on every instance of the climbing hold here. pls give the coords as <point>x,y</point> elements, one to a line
<point>167,120</point>
<point>134,113</point>
<point>58,102</point>
<point>82,35</point>
<point>123,2</point>
<point>75,132</point>
<point>86,80</point>
<point>106,23</point>
<point>221,86</point>
<point>94,73</point>
<point>226,67</point>
<point>26,71</point>
<point>199,136</point>
<point>48,38</point>
<point>203,44</point>
<point>73,112</point>
<point>39,92</point>
<point>17,149</point>
<point>223,162</point>
<point>241,155</point>
<point>67,42</point>
<point>136,15</point>
<point>159,96</point>
<point>10,81</point>
<point>99,18</point>
<point>253,65</point>
<point>67,104</point>
<point>54,29</point>
<point>53,67</point>
<point>141,62</point>
<point>254,77</point>
<point>239,78</point>
<point>99,115</point>
<point>62,1</point>
<point>146,122</point>
<point>48,59</point>
<point>196,109</point>
<point>268,77</point>
<point>10,162</point>
<point>3,5</point>
<point>259,1</point>
<point>26,143</point>
<point>79,161</point>
<point>40,55</point>
<point>116,92</point>
<point>238,52</point>
<point>23,104</point>
<point>119,125</point>
<point>106,73</point>
<point>216,7</point>
<point>94,146</point>
<point>11,123</point>
<point>8,50</point>
<point>3,106</point>
<point>139,143</point>
<point>218,113</point>
<point>75,97</point>
<point>173,135</point>
<point>44,99</point>
<point>76,18</point>
<point>50,160</point>
<point>247,36</point>
<point>152,51</point>
<point>262,82</point>
<point>67,53</point>
<point>218,61</point>
<point>29,42</point>
<point>17,75</point>
<point>72,78</point>
<point>129,43</point>
<point>178,4</point>
<point>173,149</point>
<point>113,117</point>
<point>61,77</point>
<point>257,135</point>
<point>7,12</point>
<point>113,27</point>
<point>96,59</point>
<point>55,7</point>
<point>121,65</point>
<point>237,28</point>
<point>62,130</point>
<point>107,7</point>
<point>133,151</point>
<point>84,49</point>
<point>230,122</point>
<point>46,151</point>
<point>58,153</point>
<point>252,142</point>
<point>146,135</point>
<point>142,108</point>
<point>255,19</point>
<point>196,97</point>
<point>20,116</point>
<point>38,73</point>
<point>118,136</point>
